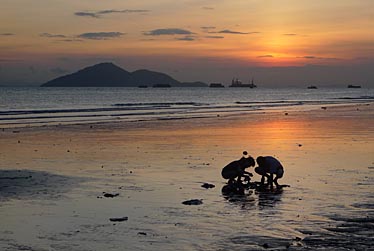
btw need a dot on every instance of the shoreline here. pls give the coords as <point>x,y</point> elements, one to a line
<point>310,110</point>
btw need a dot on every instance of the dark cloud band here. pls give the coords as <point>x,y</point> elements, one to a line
<point>100,35</point>
<point>98,14</point>
<point>168,31</point>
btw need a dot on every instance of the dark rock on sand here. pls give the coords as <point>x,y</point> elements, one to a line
<point>119,219</point>
<point>192,202</point>
<point>110,195</point>
<point>207,185</point>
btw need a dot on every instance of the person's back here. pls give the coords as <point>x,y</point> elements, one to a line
<point>272,164</point>
<point>267,167</point>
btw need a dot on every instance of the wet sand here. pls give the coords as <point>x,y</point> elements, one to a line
<point>53,182</point>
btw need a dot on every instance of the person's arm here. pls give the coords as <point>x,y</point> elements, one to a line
<point>250,174</point>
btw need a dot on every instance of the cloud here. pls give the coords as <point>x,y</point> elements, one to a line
<point>266,56</point>
<point>314,57</point>
<point>215,37</point>
<point>235,32</point>
<point>98,14</point>
<point>168,31</point>
<point>121,11</point>
<point>289,34</point>
<point>207,27</point>
<point>100,35</point>
<point>70,40</point>
<point>6,34</point>
<point>51,35</point>
<point>86,14</point>
<point>207,8</point>
<point>186,38</point>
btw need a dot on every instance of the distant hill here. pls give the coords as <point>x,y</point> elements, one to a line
<point>110,75</point>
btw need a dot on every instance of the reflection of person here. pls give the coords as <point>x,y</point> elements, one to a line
<point>236,169</point>
<point>267,167</point>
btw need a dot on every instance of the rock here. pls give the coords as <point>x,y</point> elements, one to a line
<point>192,202</point>
<point>207,185</point>
<point>110,195</point>
<point>265,245</point>
<point>142,233</point>
<point>119,219</point>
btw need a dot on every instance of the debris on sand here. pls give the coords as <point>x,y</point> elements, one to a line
<point>192,202</point>
<point>207,185</point>
<point>110,195</point>
<point>119,219</point>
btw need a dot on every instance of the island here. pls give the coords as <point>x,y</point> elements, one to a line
<point>111,75</point>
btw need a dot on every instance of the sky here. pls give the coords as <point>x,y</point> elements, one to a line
<point>276,42</point>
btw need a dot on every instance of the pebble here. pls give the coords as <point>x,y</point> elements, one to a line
<point>110,195</point>
<point>207,185</point>
<point>119,219</point>
<point>193,202</point>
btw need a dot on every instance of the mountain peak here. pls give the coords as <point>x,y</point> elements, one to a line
<point>107,74</point>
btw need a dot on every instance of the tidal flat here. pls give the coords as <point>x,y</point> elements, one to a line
<point>56,182</point>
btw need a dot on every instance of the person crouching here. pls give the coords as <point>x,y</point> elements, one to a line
<point>235,170</point>
<point>268,167</point>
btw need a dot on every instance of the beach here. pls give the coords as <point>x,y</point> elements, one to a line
<point>61,186</point>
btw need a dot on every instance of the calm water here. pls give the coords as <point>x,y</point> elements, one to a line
<point>40,106</point>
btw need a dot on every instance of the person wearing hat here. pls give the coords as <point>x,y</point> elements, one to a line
<point>235,170</point>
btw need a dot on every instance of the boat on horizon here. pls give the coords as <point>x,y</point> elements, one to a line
<point>237,83</point>
<point>354,86</point>
<point>216,85</point>
<point>312,87</point>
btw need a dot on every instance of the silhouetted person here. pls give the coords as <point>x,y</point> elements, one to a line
<point>268,167</point>
<point>236,169</point>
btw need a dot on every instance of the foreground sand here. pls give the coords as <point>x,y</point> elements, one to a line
<point>52,181</point>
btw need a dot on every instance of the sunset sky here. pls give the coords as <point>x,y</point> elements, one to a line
<point>278,42</point>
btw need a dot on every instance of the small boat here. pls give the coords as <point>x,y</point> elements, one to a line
<point>161,86</point>
<point>354,86</point>
<point>216,85</point>
<point>143,86</point>
<point>312,87</point>
<point>237,83</point>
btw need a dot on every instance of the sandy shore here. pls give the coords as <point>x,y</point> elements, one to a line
<point>53,181</point>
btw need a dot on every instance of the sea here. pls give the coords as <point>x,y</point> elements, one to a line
<point>42,106</point>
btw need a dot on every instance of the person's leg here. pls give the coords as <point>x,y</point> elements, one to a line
<point>262,180</point>
<point>261,171</point>
<point>270,180</point>
<point>276,181</point>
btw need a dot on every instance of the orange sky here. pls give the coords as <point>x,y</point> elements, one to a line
<point>53,37</point>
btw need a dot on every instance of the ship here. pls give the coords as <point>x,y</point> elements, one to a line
<point>312,87</point>
<point>216,85</point>
<point>237,83</point>
<point>354,86</point>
